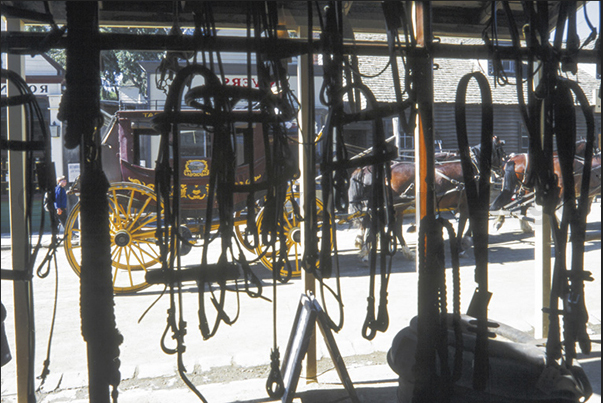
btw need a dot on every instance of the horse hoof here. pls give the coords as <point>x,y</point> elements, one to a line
<point>412,229</point>
<point>358,242</point>
<point>408,253</point>
<point>499,223</point>
<point>466,243</point>
<point>526,229</point>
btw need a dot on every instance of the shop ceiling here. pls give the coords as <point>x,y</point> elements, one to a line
<point>450,18</point>
<point>465,19</point>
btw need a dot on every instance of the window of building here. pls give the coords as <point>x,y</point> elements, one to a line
<point>524,141</point>
<point>508,67</point>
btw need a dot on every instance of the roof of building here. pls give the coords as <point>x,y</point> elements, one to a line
<point>447,74</point>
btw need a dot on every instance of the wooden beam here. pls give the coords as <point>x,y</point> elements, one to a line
<point>27,42</point>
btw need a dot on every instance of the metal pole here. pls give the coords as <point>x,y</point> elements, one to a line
<point>307,184</point>
<point>19,232</point>
<point>542,272</point>
<point>542,255</point>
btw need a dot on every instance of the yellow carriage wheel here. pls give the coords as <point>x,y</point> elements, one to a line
<point>132,225</point>
<point>292,234</point>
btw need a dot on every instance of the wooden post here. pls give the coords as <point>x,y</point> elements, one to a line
<point>19,233</point>
<point>305,85</point>
<point>424,148</point>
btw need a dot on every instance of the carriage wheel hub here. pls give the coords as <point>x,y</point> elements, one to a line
<point>122,238</point>
<point>296,235</point>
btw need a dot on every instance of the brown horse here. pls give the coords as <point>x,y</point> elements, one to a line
<point>514,186</point>
<point>521,161</point>
<point>448,185</point>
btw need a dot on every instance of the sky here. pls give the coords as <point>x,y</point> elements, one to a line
<point>594,14</point>
<point>592,9</point>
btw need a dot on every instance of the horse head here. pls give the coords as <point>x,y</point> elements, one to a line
<point>359,185</point>
<point>499,156</point>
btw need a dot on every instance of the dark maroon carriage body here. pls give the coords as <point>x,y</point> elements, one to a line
<point>194,170</point>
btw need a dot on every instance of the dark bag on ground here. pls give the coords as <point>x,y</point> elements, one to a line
<point>518,370</point>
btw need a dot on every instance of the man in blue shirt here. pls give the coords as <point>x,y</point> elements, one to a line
<point>60,200</point>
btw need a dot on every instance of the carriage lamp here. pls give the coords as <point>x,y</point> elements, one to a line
<point>54,128</point>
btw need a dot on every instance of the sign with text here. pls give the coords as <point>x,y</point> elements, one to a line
<point>38,89</point>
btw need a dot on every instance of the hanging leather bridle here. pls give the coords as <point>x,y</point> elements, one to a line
<point>553,96</point>
<point>568,285</point>
<point>214,104</point>
<point>478,200</point>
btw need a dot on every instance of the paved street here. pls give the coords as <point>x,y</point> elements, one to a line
<point>233,365</point>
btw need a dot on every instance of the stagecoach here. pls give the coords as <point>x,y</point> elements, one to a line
<point>128,148</point>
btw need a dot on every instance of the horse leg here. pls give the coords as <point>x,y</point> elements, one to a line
<point>463,240</point>
<point>524,222</point>
<point>366,245</point>
<point>363,239</point>
<point>406,251</point>
<point>359,240</point>
<point>500,220</point>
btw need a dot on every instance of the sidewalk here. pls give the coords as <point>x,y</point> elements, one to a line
<point>234,365</point>
<point>6,241</point>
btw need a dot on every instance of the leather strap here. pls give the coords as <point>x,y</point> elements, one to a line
<point>478,198</point>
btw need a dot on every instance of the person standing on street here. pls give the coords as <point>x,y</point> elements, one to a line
<point>60,201</point>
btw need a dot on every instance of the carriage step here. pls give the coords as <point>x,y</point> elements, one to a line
<point>209,273</point>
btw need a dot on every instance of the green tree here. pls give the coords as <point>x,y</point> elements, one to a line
<point>117,66</point>
<point>122,66</point>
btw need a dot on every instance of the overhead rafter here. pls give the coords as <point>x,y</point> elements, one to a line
<point>450,18</point>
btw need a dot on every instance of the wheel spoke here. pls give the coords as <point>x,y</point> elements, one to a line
<point>115,276</point>
<point>155,258</point>
<point>118,211</point>
<point>118,255</point>
<point>114,252</point>
<point>130,201</point>
<point>128,268</point>
<point>133,253</point>
<point>143,235</point>
<point>144,223</point>
<point>139,214</point>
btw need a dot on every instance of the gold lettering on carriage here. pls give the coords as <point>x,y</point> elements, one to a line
<point>196,168</point>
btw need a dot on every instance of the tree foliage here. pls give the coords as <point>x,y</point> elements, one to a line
<point>118,67</point>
